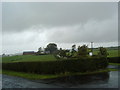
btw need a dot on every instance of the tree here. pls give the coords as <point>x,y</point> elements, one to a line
<point>3,54</point>
<point>82,50</point>
<point>102,52</point>
<point>39,50</point>
<point>51,47</point>
<point>62,53</point>
<point>73,47</point>
<point>73,52</point>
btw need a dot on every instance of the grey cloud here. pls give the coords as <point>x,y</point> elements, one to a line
<point>19,16</point>
<point>25,40</point>
<point>27,26</point>
<point>93,30</point>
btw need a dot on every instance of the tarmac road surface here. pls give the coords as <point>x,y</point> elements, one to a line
<point>17,82</point>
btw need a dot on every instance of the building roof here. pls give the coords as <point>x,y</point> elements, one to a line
<point>28,52</point>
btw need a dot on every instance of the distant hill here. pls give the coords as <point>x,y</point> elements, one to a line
<point>111,48</point>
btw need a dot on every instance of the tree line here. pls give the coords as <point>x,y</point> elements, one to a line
<point>80,51</point>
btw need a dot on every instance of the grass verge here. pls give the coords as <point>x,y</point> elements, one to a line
<point>0,71</point>
<point>112,69</point>
<point>114,63</point>
<point>39,76</point>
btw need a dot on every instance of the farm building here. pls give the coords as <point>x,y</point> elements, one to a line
<point>29,53</point>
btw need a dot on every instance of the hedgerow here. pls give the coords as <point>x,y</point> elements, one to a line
<point>58,66</point>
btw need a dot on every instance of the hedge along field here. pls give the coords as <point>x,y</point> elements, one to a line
<point>114,59</point>
<point>27,58</point>
<point>58,66</point>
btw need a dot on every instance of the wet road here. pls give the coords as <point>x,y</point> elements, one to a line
<point>16,82</point>
<point>111,82</point>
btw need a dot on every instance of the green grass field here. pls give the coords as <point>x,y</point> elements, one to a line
<point>27,58</point>
<point>112,53</point>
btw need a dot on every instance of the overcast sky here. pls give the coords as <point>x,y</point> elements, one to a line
<point>28,26</point>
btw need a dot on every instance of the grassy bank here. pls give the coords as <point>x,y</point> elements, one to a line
<point>114,63</point>
<point>112,69</point>
<point>38,76</point>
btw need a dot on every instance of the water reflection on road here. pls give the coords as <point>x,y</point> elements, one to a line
<point>104,80</point>
<point>111,82</point>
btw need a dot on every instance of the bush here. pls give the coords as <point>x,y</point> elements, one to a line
<point>103,52</point>
<point>59,66</point>
<point>113,59</point>
<point>83,50</point>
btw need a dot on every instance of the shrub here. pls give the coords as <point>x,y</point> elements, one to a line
<point>83,50</point>
<point>114,59</point>
<point>102,52</point>
<point>59,66</point>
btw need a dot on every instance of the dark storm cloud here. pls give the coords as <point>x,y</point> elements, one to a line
<point>19,16</point>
